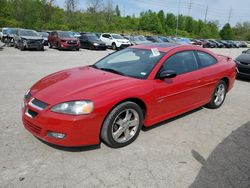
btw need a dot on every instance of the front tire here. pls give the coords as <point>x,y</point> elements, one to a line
<point>114,47</point>
<point>218,96</point>
<point>122,125</point>
<point>49,45</point>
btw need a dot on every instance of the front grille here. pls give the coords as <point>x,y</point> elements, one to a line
<point>37,104</point>
<point>34,41</point>
<point>243,63</point>
<point>72,42</point>
<point>244,70</point>
<point>31,127</point>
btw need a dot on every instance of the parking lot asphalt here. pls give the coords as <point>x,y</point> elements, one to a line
<point>203,148</point>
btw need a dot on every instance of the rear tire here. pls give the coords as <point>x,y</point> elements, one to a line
<point>218,96</point>
<point>122,125</point>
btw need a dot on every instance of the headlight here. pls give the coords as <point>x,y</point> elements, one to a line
<point>74,107</point>
<point>236,61</point>
<point>95,44</point>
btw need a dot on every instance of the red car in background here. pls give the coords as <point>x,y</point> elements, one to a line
<point>112,99</point>
<point>63,40</point>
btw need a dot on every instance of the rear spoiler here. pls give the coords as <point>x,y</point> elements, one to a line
<point>228,58</point>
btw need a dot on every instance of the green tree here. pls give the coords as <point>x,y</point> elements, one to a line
<point>117,11</point>
<point>227,32</point>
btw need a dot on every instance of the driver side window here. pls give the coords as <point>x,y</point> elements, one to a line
<point>182,62</point>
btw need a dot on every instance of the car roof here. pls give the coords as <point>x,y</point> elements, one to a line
<point>167,46</point>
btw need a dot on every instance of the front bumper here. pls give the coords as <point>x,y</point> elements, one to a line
<point>80,130</point>
<point>33,45</point>
<point>100,47</point>
<point>122,46</point>
<point>69,46</point>
<point>243,70</point>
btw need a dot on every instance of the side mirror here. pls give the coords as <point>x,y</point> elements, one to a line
<point>110,38</point>
<point>167,74</point>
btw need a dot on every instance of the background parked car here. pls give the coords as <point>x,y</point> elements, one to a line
<point>225,43</point>
<point>218,44</point>
<point>115,41</point>
<point>196,42</point>
<point>91,41</point>
<point>8,35</point>
<point>76,34</point>
<point>166,39</point>
<point>243,64</point>
<point>154,39</point>
<point>63,40</point>
<point>1,35</point>
<point>234,45</point>
<point>136,40</point>
<point>45,36</point>
<point>28,39</point>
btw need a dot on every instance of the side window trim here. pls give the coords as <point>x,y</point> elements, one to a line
<point>195,56</point>
<point>199,60</point>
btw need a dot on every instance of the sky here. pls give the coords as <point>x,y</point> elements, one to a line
<point>222,10</point>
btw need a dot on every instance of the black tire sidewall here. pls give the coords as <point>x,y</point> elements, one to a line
<point>212,103</point>
<point>114,47</point>
<point>106,133</point>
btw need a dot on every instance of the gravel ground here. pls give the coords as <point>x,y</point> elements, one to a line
<point>197,149</point>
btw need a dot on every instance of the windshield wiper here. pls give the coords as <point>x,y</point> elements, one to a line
<point>112,70</point>
<point>94,66</point>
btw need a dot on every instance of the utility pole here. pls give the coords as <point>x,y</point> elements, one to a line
<point>189,7</point>
<point>177,19</point>
<point>124,11</point>
<point>206,14</point>
<point>230,15</point>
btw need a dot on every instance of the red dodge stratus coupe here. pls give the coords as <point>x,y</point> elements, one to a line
<point>112,99</point>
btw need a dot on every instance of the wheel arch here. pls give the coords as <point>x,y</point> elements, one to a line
<point>226,80</point>
<point>136,100</point>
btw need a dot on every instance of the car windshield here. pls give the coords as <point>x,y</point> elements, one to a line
<point>135,39</point>
<point>117,37</point>
<point>91,36</point>
<point>142,38</point>
<point>136,63</point>
<point>66,34</point>
<point>44,34</point>
<point>8,31</point>
<point>28,33</point>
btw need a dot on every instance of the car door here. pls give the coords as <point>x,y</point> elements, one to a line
<point>105,38</point>
<point>210,73</point>
<point>181,93</point>
<point>84,41</point>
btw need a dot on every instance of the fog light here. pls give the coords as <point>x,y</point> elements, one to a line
<point>56,135</point>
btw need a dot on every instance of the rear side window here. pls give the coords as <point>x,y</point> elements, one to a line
<point>181,62</point>
<point>206,59</point>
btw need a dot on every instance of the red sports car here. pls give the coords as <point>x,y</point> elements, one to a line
<point>112,99</point>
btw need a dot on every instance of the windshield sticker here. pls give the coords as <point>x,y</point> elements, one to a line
<point>143,73</point>
<point>155,52</point>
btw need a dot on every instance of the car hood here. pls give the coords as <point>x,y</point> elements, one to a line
<point>68,39</point>
<point>32,37</point>
<point>244,58</point>
<point>80,83</point>
<point>97,41</point>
